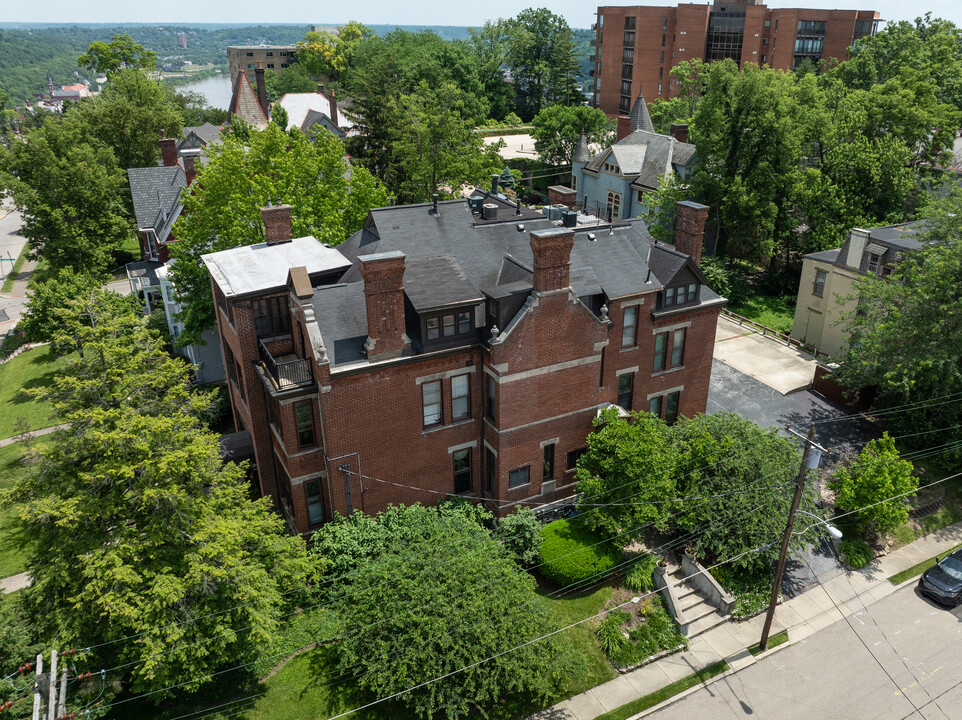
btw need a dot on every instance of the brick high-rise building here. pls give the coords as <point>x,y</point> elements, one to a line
<point>458,347</point>
<point>637,46</point>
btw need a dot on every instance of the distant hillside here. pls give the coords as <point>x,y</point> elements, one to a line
<point>28,51</point>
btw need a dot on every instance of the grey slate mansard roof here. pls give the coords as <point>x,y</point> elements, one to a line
<point>156,191</point>
<point>619,260</point>
<point>452,256</point>
<point>262,267</point>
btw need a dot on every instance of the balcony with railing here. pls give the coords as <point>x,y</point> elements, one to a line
<point>287,371</point>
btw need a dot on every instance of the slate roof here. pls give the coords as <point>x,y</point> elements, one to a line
<point>433,283</point>
<point>828,256</point>
<point>156,195</point>
<point>199,136</point>
<point>581,153</point>
<point>262,267</point>
<point>618,260</point>
<point>244,103</point>
<point>639,117</point>
<point>645,156</point>
<point>451,256</point>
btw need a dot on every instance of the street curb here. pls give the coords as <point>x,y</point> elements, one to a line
<point>716,678</point>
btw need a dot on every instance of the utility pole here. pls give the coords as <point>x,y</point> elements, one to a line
<point>62,699</point>
<point>52,702</point>
<point>780,570</point>
<point>37,695</point>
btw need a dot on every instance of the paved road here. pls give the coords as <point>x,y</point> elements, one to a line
<point>11,243</point>
<point>898,659</point>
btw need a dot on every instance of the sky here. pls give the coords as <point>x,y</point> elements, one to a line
<point>578,13</point>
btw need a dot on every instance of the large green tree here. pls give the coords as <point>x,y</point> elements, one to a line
<point>143,541</point>
<point>435,149</point>
<point>557,128</point>
<point>542,62</point>
<point>222,212</point>
<point>326,54</point>
<point>458,616</point>
<point>71,194</point>
<point>905,337</point>
<point>625,475</point>
<point>863,486</point>
<point>129,115</point>
<point>746,130</point>
<point>121,53</point>
<point>735,483</point>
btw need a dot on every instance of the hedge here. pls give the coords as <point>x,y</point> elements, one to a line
<point>570,554</point>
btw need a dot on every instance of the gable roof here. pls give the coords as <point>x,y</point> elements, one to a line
<point>299,105</point>
<point>314,118</point>
<point>156,195</point>
<point>200,136</point>
<point>244,103</point>
<point>644,157</point>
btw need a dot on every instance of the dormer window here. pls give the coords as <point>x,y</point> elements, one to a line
<point>874,263</point>
<point>448,325</point>
<point>611,168</point>
<point>681,294</point>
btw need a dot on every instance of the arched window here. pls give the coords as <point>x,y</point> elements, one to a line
<point>614,203</point>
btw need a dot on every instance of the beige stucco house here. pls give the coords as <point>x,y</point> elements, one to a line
<point>828,288</point>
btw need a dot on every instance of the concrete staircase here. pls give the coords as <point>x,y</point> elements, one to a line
<point>696,615</point>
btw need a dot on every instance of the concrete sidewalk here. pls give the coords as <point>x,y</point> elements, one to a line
<point>804,614</point>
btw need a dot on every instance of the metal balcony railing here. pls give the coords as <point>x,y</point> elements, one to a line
<point>286,373</point>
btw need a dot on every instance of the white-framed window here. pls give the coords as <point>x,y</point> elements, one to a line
<point>629,328</point>
<point>431,401</point>
<point>460,397</point>
<point>614,203</point>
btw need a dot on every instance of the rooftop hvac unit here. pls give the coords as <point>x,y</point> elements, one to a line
<point>554,211</point>
<point>475,203</point>
<point>490,211</point>
<point>570,218</point>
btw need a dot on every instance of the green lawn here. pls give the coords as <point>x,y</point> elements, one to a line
<point>917,570</point>
<point>778,313</point>
<point>309,685</point>
<point>34,368</point>
<point>669,691</point>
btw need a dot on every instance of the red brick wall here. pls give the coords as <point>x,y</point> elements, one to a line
<point>692,20</point>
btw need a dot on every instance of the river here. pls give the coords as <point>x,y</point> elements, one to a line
<point>216,89</point>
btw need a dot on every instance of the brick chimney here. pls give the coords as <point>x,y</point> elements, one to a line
<point>552,258</point>
<point>189,158</point>
<point>332,99</point>
<point>679,131</point>
<point>383,274</point>
<point>624,127</point>
<point>690,220</point>
<point>261,87</point>
<point>168,149</point>
<point>277,223</point>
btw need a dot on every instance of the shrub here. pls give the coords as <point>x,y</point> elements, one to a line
<point>610,635</point>
<point>719,279</point>
<point>856,553</point>
<point>520,533</point>
<point>570,554</point>
<point>751,587</point>
<point>640,577</point>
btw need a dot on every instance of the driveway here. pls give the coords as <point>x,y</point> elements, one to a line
<point>732,390</point>
<point>781,367</point>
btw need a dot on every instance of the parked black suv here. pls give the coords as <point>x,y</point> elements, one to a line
<point>943,581</point>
